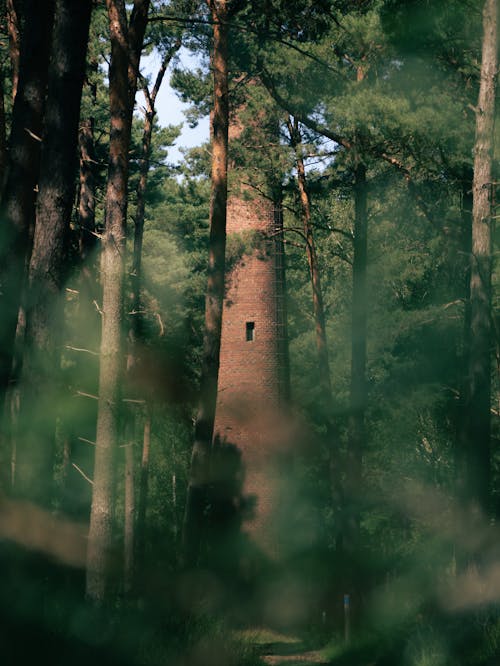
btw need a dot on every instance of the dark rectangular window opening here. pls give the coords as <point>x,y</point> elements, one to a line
<point>250,330</point>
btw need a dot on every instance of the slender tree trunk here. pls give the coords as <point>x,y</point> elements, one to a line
<point>461,435</point>
<point>150,99</point>
<point>3,134</point>
<point>86,150</point>
<point>143,494</point>
<point>14,41</point>
<point>358,394</point>
<point>136,319</point>
<point>479,374</point>
<point>200,459</point>
<point>86,204</point>
<point>312,260</point>
<point>122,86</point>
<point>47,268</point>
<point>18,200</point>
<point>319,325</point>
<point>17,208</point>
<point>129,531</point>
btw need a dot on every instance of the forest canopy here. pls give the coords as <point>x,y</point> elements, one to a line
<point>256,391</point>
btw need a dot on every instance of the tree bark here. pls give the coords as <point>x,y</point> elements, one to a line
<point>143,494</point>
<point>479,371</point>
<point>18,200</point>
<point>319,324</point>
<point>204,425</point>
<point>86,204</point>
<point>465,248</point>
<point>129,531</point>
<point>48,265</point>
<point>123,48</point>
<point>358,391</point>
<point>136,319</point>
<point>3,133</point>
<point>86,198</point>
<point>312,260</point>
<point>14,41</point>
<point>150,99</point>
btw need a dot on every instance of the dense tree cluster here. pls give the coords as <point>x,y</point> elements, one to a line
<point>376,121</point>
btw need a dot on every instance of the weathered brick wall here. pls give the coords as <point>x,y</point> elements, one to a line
<point>251,391</point>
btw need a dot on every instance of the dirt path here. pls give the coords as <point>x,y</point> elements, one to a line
<point>280,649</point>
<point>307,658</point>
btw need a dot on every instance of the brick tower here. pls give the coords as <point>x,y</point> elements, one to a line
<point>253,375</point>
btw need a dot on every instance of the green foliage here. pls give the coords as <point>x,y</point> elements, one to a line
<point>159,169</point>
<point>193,87</point>
<point>394,81</point>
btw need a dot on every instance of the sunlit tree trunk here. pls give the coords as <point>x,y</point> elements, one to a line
<point>319,321</point>
<point>3,135</point>
<point>13,16</point>
<point>200,459</point>
<point>126,45</point>
<point>479,371</point>
<point>312,260</point>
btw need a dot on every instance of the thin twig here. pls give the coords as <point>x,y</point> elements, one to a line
<point>80,349</point>
<point>87,441</point>
<point>83,474</point>
<point>87,395</point>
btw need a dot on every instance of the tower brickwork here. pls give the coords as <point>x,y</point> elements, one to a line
<point>253,373</point>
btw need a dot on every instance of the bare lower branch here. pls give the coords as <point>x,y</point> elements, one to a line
<point>80,349</point>
<point>78,469</point>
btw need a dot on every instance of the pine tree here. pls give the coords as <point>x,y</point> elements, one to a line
<point>204,425</point>
<point>126,44</point>
<point>48,263</point>
<point>478,425</point>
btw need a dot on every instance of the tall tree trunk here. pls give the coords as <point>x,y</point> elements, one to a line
<point>358,393</point>
<point>479,374</point>
<point>204,426</point>
<point>143,494</point>
<point>136,321</point>
<point>126,43</point>
<point>13,16</point>
<point>86,204</point>
<point>86,198</point>
<point>3,133</point>
<point>18,200</point>
<point>17,208</point>
<point>319,323</point>
<point>461,421</point>
<point>129,527</point>
<point>47,268</point>
<point>150,99</point>
<point>312,260</point>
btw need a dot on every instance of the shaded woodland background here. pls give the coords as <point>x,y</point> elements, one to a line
<point>119,536</point>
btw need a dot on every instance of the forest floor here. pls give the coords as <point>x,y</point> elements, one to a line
<point>276,649</point>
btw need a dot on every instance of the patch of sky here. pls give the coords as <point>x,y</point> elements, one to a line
<point>171,110</point>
